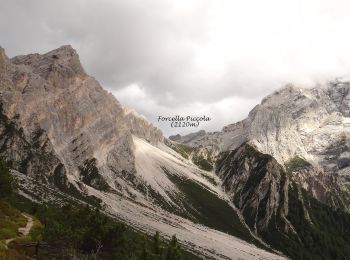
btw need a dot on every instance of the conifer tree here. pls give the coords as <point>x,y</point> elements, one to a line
<point>173,252</point>
<point>6,180</point>
<point>157,246</point>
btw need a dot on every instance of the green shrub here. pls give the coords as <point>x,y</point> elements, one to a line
<point>296,163</point>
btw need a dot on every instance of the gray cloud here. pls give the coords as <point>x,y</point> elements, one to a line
<point>171,57</point>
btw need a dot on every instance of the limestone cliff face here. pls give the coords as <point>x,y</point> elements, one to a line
<point>304,122</point>
<point>53,95</point>
<point>32,155</point>
<point>327,188</point>
<point>311,123</point>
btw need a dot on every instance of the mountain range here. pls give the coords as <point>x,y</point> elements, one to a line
<point>272,186</point>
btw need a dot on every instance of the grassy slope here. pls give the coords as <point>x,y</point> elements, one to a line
<point>10,220</point>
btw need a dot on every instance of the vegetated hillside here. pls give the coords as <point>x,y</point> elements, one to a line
<point>277,207</point>
<point>71,231</point>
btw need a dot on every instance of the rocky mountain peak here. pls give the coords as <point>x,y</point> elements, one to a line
<point>64,51</point>
<point>60,67</point>
<point>66,55</point>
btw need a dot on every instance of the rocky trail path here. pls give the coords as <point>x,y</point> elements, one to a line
<point>22,231</point>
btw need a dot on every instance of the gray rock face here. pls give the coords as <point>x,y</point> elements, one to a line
<point>327,188</point>
<point>51,93</point>
<point>32,155</point>
<point>309,123</point>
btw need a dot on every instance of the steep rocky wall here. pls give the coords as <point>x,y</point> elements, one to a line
<point>51,93</point>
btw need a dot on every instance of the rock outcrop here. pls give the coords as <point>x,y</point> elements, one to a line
<point>65,112</point>
<point>257,184</point>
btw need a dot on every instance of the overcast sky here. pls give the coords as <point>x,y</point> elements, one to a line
<point>169,57</point>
